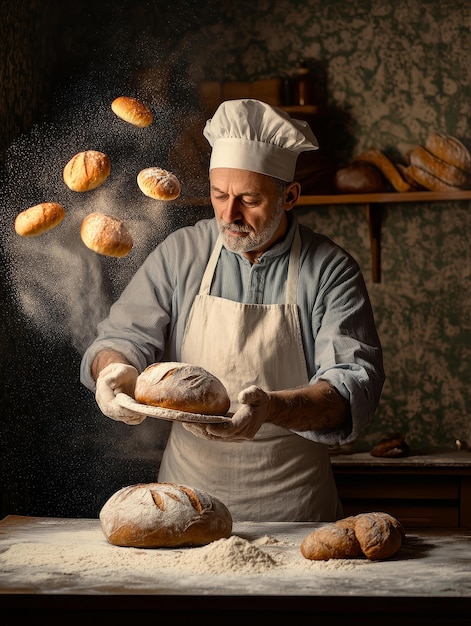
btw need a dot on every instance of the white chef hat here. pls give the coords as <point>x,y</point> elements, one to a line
<point>252,135</point>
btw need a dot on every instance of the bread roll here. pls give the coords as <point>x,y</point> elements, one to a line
<point>380,535</point>
<point>387,167</point>
<point>159,184</point>
<point>332,541</point>
<point>39,219</point>
<point>374,535</point>
<point>450,150</point>
<point>159,515</point>
<point>359,178</point>
<point>106,235</point>
<point>132,111</point>
<point>393,446</point>
<point>427,180</point>
<point>182,387</point>
<point>87,170</point>
<point>449,174</point>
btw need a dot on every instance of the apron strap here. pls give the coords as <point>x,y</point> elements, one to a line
<point>293,269</point>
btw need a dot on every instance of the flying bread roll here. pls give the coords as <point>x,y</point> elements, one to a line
<point>159,184</point>
<point>132,111</point>
<point>387,167</point>
<point>106,235</point>
<point>39,219</point>
<point>447,173</point>
<point>450,150</point>
<point>87,170</point>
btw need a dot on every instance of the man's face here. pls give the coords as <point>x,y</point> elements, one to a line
<point>249,210</point>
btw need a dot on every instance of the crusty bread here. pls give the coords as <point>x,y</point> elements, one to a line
<point>375,535</point>
<point>39,219</point>
<point>156,515</point>
<point>87,170</point>
<point>427,180</point>
<point>359,178</point>
<point>182,387</point>
<point>379,535</point>
<point>448,174</point>
<point>106,235</point>
<point>450,150</point>
<point>159,184</point>
<point>332,541</point>
<point>132,111</point>
<point>387,167</point>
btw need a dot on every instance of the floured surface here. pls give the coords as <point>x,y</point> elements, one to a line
<point>42,555</point>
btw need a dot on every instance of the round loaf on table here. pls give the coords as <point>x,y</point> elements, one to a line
<point>106,235</point>
<point>132,111</point>
<point>182,387</point>
<point>87,170</point>
<point>39,219</point>
<point>156,515</point>
<point>449,149</point>
<point>158,184</point>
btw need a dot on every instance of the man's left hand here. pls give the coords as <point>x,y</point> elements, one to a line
<point>245,423</point>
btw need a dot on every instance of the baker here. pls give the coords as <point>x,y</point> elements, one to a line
<point>279,313</point>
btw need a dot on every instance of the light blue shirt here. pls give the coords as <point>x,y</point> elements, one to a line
<point>341,344</point>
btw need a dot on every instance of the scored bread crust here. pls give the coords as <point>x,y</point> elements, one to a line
<point>429,181</point>
<point>106,235</point>
<point>155,515</point>
<point>375,535</point>
<point>449,149</point>
<point>159,184</point>
<point>39,218</point>
<point>447,173</point>
<point>132,111</point>
<point>87,170</point>
<point>182,387</point>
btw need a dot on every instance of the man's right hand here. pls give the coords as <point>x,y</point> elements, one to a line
<point>117,378</point>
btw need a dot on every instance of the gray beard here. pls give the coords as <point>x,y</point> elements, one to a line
<point>253,241</point>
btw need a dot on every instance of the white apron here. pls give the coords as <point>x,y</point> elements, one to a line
<point>277,476</point>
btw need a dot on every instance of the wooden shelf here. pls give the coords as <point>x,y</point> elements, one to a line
<point>385,198</point>
<point>373,203</point>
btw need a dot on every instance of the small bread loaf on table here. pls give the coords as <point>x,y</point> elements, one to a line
<point>332,541</point>
<point>39,219</point>
<point>375,535</point>
<point>132,111</point>
<point>87,170</point>
<point>182,387</point>
<point>159,184</point>
<point>157,515</point>
<point>393,446</point>
<point>106,235</point>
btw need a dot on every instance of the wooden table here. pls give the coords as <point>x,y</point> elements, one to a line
<point>64,567</point>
